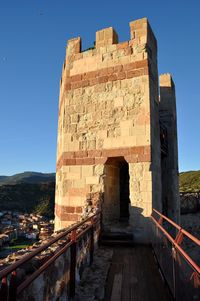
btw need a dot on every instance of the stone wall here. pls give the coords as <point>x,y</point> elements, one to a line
<point>54,283</point>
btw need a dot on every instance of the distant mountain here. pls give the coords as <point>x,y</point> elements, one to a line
<point>189,181</point>
<point>27,177</point>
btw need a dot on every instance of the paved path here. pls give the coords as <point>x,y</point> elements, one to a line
<point>134,276</point>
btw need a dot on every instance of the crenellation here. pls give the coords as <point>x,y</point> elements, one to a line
<point>73,47</point>
<point>106,36</point>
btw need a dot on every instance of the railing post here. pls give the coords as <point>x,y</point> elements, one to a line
<point>73,264</point>
<point>4,289</point>
<point>13,287</point>
<point>92,241</point>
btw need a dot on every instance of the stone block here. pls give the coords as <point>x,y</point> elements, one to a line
<point>105,37</point>
<point>73,176</point>
<point>77,200</point>
<point>73,46</point>
<point>79,209</point>
<point>118,102</point>
<point>109,142</point>
<point>166,80</point>
<point>142,140</point>
<point>99,169</point>
<point>75,169</point>
<point>87,171</point>
<point>92,180</point>
<point>102,134</point>
<point>78,183</point>
<point>148,175</point>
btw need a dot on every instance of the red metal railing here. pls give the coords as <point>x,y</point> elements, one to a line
<point>180,270</point>
<point>10,289</point>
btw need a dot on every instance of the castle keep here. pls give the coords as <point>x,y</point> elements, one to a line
<point>117,132</point>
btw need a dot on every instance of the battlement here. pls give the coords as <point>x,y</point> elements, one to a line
<point>106,36</point>
<point>166,80</point>
<point>73,46</point>
<point>140,33</point>
<point>108,52</point>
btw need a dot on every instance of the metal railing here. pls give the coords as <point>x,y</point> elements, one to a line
<point>10,287</point>
<point>172,247</point>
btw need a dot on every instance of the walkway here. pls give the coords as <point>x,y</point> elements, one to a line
<point>134,276</point>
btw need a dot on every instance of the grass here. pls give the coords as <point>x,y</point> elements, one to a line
<point>189,181</point>
<point>23,246</point>
<point>20,243</point>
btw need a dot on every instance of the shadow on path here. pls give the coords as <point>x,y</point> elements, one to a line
<point>134,276</point>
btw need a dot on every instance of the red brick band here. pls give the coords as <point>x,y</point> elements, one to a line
<point>105,75</point>
<point>68,213</point>
<point>91,157</point>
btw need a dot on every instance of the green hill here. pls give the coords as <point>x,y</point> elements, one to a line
<point>29,198</point>
<point>28,192</point>
<point>27,177</point>
<point>189,181</point>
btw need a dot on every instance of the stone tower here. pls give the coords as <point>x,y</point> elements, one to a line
<point>117,140</point>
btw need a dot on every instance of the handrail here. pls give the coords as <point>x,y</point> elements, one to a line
<point>176,242</point>
<point>31,278</point>
<point>183,231</point>
<point>38,250</point>
<point>167,219</point>
<point>75,235</point>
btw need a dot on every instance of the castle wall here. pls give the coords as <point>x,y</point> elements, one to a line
<point>109,108</point>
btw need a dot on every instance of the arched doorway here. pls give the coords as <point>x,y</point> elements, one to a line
<point>116,196</point>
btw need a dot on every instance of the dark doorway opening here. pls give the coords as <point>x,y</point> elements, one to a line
<point>124,190</point>
<point>116,200</point>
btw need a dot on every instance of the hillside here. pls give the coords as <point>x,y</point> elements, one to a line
<point>28,192</point>
<point>27,177</point>
<point>190,181</point>
<point>26,197</point>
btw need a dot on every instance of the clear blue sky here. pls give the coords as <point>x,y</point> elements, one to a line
<point>33,35</point>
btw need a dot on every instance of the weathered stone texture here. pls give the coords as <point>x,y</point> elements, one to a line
<point>109,108</point>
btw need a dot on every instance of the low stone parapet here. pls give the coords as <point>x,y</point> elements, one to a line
<point>52,269</point>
